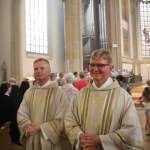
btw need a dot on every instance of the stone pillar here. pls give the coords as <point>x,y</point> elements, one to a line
<point>115,29</point>
<point>137,40</point>
<point>16,39</point>
<point>73,36</point>
<point>5,39</point>
<point>56,35</point>
<point>134,16</point>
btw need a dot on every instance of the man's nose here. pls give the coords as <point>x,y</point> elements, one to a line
<point>95,68</point>
<point>38,70</point>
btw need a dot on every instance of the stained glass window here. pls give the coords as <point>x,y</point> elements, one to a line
<point>145,27</point>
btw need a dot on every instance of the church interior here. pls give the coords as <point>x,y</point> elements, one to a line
<point>65,32</point>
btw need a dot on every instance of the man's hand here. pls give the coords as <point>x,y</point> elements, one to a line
<point>89,141</point>
<point>32,129</point>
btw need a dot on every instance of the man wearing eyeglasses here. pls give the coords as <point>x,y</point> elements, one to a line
<point>103,115</point>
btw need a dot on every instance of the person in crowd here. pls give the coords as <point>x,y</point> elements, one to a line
<point>12,81</point>
<point>53,76</point>
<point>40,115</point>
<point>68,88</point>
<point>103,116</point>
<point>114,73</point>
<point>22,89</point>
<point>60,79</point>
<point>146,102</point>
<point>87,76</point>
<point>82,82</point>
<point>16,96</point>
<point>123,83</point>
<point>75,76</point>
<point>5,103</point>
<point>126,74</point>
<point>13,129</point>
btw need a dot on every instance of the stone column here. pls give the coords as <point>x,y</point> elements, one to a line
<point>73,36</point>
<point>56,34</point>
<point>115,29</point>
<point>5,39</point>
<point>16,39</point>
<point>137,40</point>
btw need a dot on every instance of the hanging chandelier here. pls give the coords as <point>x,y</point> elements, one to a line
<point>145,1</point>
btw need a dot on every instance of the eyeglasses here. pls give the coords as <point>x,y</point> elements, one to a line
<point>98,65</point>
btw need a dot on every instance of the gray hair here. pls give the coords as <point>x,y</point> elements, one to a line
<point>102,53</point>
<point>41,59</point>
<point>69,77</point>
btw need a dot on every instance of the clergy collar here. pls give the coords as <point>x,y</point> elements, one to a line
<point>108,82</point>
<point>46,84</point>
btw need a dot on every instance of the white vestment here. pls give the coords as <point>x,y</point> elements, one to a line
<point>45,106</point>
<point>109,112</point>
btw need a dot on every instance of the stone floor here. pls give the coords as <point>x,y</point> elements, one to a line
<point>142,120</point>
<point>5,142</point>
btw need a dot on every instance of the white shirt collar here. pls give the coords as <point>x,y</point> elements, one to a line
<point>46,84</point>
<point>104,85</point>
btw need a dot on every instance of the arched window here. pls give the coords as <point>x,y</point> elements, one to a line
<point>36,26</point>
<point>145,27</point>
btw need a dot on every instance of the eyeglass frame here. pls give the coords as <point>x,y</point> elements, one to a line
<point>98,65</point>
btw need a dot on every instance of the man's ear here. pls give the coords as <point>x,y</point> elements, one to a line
<point>112,66</point>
